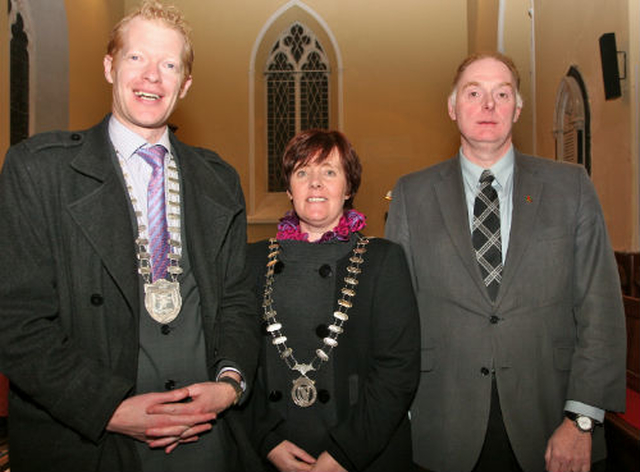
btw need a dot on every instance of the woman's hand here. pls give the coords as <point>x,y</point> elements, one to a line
<point>326,463</point>
<point>287,457</point>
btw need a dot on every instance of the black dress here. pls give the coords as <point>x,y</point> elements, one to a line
<point>365,389</point>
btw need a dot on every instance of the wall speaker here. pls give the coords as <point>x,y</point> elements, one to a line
<point>610,73</point>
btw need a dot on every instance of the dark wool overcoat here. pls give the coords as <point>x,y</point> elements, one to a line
<point>69,301</point>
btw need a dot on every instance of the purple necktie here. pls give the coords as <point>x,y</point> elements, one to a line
<point>158,231</point>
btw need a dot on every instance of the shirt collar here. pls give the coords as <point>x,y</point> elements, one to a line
<point>502,170</point>
<point>127,142</point>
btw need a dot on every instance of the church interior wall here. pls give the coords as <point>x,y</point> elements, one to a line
<point>398,60</point>
<point>567,34</point>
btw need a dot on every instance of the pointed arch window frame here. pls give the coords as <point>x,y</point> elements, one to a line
<point>572,122</point>
<point>263,207</point>
<point>297,80</point>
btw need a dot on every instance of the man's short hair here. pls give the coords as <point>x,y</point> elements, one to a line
<point>506,60</point>
<point>156,11</point>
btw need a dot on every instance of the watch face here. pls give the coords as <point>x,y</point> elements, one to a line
<point>584,423</point>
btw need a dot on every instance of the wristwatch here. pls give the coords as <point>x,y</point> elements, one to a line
<point>236,386</point>
<point>584,423</point>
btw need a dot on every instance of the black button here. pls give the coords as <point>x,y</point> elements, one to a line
<point>76,137</point>
<point>170,384</point>
<point>323,396</point>
<point>97,299</point>
<point>165,329</point>
<point>278,267</point>
<point>484,371</point>
<point>275,395</point>
<point>322,331</point>
<point>494,319</point>
<point>325,271</point>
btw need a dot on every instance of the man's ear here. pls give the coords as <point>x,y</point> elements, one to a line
<point>185,86</point>
<point>107,64</point>
<point>451,106</point>
<point>516,115</point>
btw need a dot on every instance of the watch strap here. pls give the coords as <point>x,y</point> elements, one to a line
<point>578,418</point>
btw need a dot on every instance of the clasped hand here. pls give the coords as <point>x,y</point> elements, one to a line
<point>287,457</point>
<point>167,419</point>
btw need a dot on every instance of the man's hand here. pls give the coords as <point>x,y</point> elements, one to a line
<point>568,449</point>
<point>135,416</point>
<point>287,457</point>
<point>207,400</point>
<point>326,463</point>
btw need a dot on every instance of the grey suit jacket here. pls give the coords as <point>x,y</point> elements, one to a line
<point>555,332</point>
<point>69,302</point>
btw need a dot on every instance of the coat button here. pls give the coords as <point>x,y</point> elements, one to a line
<point>97,299</point>
<point>322,331</point>
<point>275,395</point>
<point>170,384</point>
<point>325,271</point>
<point>484,371</point>
<point>76,137</point>
<point>323,396</point>
<point>165,329</point>
<point>494,319</point>
<point>278,267</point>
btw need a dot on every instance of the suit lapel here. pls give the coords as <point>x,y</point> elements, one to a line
<point>209,211</point>
<point>101,209</point>
<point>453,207</point>
<point>527,192</point>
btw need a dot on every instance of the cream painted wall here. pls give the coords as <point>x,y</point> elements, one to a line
<point>398,64</point>
<point>482,19</point>
<point>398,68</point>
<point>483,37</point>
<point>89,23</point>
<point>567,34</point>
<point>517,45</point>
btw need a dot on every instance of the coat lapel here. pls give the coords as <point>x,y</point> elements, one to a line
<point>100,208</point>
<point>453,207</point>
<point>527,191</point>
<point>209,211</point>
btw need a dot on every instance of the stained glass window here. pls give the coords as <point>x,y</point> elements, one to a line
<point>297,80</point>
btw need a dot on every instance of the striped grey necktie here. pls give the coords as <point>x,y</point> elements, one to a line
<point>486,234</point>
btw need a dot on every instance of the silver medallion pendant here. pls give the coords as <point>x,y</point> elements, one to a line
<point>304,392</point>
<point>162,300</point>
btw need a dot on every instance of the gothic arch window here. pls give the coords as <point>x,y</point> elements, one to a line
<point>572,121</point>
<point>297,81</point>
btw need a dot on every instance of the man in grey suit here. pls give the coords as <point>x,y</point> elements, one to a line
<point>522,325</point>
<point>126,326</point>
